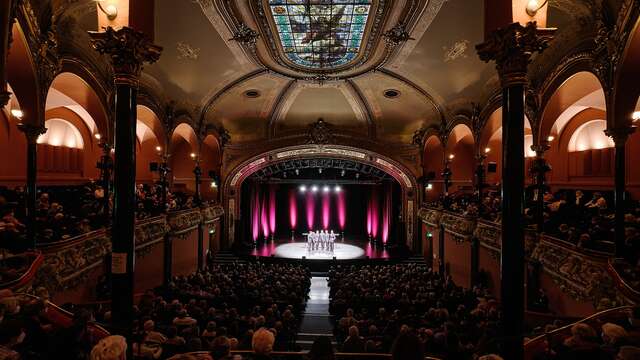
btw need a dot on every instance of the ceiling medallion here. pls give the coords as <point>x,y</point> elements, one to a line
<point>397,35</point>
<point>253,93</point>
<point>186,51</point>
<point>319,133</point>
<point>456,50</point>
<point>391,93</point>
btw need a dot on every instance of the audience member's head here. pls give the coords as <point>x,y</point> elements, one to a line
<point>262,342</point>
<point>112,347</point>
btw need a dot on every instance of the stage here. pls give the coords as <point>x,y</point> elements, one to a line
<point>349,250</point>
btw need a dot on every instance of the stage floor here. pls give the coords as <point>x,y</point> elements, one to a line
<point>342,251</point>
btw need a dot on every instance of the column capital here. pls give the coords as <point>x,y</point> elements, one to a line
<point>32,131</point>
<point>511,48</point>
<point>620,135</point>
<point>129,50</point>
<point>540,149</point>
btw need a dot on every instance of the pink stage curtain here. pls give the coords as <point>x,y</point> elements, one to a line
<point>293,209</point>
<point>311,209</point>
<point>326,207</point>
<point>386,213</point>
<point>342,211</point>
<point>375,211</point>
<point>264,217</point>
<point>272,209</point>
<point>255,213</point>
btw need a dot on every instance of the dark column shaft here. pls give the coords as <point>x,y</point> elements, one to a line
<point>122,233</point>
<point>442,265</point>
<point>512,256</point>
<point>620,197</point>
<point>31,190</point>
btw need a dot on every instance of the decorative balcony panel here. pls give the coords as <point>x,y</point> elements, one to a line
<point>182,222</point>
<point>458,226</point>
<point>430,216</point>
<point>212,213</point>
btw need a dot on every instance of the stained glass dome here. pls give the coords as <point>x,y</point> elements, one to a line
<point>320,34</point>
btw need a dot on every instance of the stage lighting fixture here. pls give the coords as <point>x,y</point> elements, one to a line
<point>342,172</point>
<point>357,175</point>
<point>297,172</point>
<point>314,188</point>
<point>319,170</point>
<point>337,188</point>
<point>303,188</point>
<point>325,189</point>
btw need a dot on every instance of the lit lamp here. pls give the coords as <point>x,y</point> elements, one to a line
<point>533,6</point>
<point>17,113</point>
<point>110,10</point>
<point>550,138</point>
<point>635,116</point>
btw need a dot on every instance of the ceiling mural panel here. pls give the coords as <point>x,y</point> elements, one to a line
<point>320,34</point>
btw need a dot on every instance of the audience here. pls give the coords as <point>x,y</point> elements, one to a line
<point>395,303</point>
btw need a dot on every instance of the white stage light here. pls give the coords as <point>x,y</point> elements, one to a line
<point>303,188</point>
<point>314,188</point>
<point>337,188</point>
<point>325,189</point>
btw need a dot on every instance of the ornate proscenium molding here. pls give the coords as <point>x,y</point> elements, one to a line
<point>245,35</point>
<point>319,133</point>
<point>128,49</point>
<point>512,47</point>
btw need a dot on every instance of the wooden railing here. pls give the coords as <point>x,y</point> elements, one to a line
<point>63,318</point>
<point>32,262</point>
<point>627,289</point>
<point>540,344</point>
<point>276,355</point>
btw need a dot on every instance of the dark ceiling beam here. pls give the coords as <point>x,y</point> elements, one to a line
<point>278,109</point>
<point>365,108</point>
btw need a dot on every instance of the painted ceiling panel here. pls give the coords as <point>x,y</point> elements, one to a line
<point>313,103</point>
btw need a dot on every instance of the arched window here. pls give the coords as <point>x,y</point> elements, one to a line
<point>589,136</point>
<point>61,133</point>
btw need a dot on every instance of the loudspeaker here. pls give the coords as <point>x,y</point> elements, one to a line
<point>492,167</point>
<point>153,166</point>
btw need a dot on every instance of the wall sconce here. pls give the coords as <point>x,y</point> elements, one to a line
<point>17,113</point>
<point>451,156</point>
<point>193,156</point>
<point>158,148</point>
<point>550,138</point>
<point>111,10</point>
<point>429,187</point>
<point>214,184</point>
<point>533,7</point>
<point>97,136</point>
<point>487,150</point>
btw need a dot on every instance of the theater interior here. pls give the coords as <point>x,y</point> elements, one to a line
<point>320,179</point>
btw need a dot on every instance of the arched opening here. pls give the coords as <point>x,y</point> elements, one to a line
<point>210,161</point>
<point>460,144</point>
<point>60,150</point>
<point>433,162</point>
<point>12,141</point>
<point>491,144</point>
<point>184,153</point>
<point>264,164</point>
<point>150,144</point>
<point>590,136</point>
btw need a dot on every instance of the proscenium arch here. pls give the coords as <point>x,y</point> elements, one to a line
<point>407,181</point>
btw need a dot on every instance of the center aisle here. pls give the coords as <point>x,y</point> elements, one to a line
<point>316,320</point>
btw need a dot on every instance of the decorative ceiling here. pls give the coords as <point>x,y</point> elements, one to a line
<point>267,69</point>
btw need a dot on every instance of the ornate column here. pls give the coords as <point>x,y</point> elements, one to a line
<point>8,9</point>
<point>128,50</point>
<point>167,268</point>
<point>106,166</point>
<point>479,179</point>
<point>31,132</point>
<point>539,169</point>
<point>197,172</point>
<point>511,48</point>
<point>620,136</point>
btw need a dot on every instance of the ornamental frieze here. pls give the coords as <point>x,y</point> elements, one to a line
<point>211,213</point>
<point>458,226</point>
<point>182,222</point>
<point>582,277</point>
<point>430,216</point>
<point>489,235</point>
